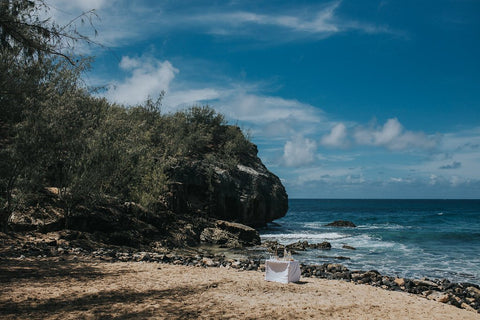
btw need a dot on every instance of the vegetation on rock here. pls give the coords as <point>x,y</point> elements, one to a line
<point>55,133</point>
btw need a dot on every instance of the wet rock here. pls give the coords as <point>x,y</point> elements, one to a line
<point>299,246</point>
<point>348,247</point>
<point>341,223</point>
<point>335,257</point>
<point>323,245</point>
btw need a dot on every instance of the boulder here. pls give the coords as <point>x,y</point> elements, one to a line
<point>323,245</point>
<point>439,296</point>
<point>304,245</point>
<point>341,223</point>
<point>230,234</point>
<point>424,283</point>
<point>45,219</point>
<point>298,246</point>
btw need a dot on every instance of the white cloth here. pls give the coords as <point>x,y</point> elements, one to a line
<point>282,271</point>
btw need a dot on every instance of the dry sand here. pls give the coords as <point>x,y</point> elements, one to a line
<point>48,289</point>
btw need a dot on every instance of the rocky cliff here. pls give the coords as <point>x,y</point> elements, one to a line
<point>247,193</point>
<point>206,202</point>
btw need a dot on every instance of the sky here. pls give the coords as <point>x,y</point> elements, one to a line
<point>345,99</point>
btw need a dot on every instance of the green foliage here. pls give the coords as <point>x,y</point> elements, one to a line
<point>27,36</point>
<point>53,133</point>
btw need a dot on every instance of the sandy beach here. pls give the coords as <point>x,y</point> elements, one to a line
<point>71,289</point>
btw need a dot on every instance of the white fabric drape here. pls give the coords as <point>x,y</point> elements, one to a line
<point>282,271</point>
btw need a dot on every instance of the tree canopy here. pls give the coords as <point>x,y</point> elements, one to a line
<point>55,133</point>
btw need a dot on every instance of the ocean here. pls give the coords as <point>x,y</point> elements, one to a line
<point>436,239</point>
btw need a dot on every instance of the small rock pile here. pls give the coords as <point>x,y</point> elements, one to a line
<point>276,247</point>
<point>461,295</point>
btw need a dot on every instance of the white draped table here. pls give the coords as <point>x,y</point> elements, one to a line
<point>282,271</point>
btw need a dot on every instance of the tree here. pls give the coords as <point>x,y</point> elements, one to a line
<point>22,31</point>
<point>29,71</point>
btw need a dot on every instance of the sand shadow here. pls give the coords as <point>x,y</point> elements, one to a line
<point>169,302</point>
<point>12,270</point>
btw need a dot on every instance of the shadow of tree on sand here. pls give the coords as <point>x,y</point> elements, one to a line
<point>105,304</point>
<point>13,269</point>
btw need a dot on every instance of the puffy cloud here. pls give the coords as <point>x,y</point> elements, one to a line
<point>260,109</point>
<point>271,116</point>
<point>393,136</point>
<point>147,77</point>
<point>336,137</point>
<point>299,151</point>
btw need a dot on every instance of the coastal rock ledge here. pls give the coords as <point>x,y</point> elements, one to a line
<point>247,193</point>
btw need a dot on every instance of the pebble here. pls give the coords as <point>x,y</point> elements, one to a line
<point>466,295</point>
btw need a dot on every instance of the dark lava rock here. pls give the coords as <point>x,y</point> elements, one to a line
<point>341,223</point>
<point>335,257</point>
<point>247,193</point>
<point>299,246</point>
<point>323,246</point>
<point>230,234</point>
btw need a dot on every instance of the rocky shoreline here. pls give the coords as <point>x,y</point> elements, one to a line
<point>461,295</point>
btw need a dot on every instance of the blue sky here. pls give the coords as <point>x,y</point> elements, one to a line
<point>345,99</point>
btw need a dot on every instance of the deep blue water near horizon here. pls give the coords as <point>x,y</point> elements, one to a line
<point>407,238</point>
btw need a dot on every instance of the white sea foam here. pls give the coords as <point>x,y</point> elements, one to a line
<point>303,236</point>
<point>387,226</point>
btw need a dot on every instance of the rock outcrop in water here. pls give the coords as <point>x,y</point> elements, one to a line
<point>341,223</point>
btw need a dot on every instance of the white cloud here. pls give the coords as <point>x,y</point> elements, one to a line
<point>267,116</point>
<point>321,22</point>
<point>393,136</point>
<point>189,97</point>
<point>354,179</point>
<point>260,109</point>
<point>337,136</point>
<point>318,21</point>
<point>82,5</point>
<point>122,21</point>
<point>148,77</point>
<point>325,174</point>
<point>299,151</point>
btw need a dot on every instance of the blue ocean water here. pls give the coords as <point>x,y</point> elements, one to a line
<point>407,238</point>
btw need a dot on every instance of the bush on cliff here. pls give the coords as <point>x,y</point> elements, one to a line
<point>54,132</point>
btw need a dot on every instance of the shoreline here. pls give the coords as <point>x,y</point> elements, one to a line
<point>18,252</point>
<point>81,287</point>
